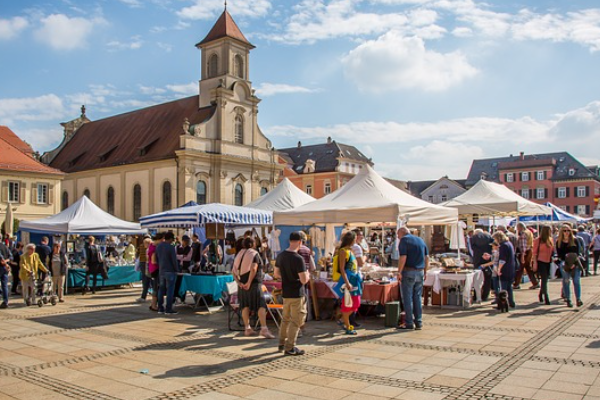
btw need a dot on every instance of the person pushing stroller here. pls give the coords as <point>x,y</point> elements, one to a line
<point>30,265</point>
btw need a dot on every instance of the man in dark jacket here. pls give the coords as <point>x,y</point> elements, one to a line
<point>169,267</point>
<point>481,243</point>
<point>14,266</point>
<point>5,258</point>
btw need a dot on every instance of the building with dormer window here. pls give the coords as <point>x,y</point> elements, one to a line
<point>207,148</point>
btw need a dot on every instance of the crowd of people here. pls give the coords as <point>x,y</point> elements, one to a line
<point>505,256</point>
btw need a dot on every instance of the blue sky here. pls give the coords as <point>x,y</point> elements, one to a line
<point>422,86</point>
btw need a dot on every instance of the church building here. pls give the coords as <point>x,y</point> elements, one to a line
<point>207,148</point>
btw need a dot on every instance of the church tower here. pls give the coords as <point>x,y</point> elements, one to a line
<point>225,58</point>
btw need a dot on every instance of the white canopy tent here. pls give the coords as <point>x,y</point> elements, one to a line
<point>285,196</point>
<point>82,218</point>
<point>489,198</point>
<point>367,198</point>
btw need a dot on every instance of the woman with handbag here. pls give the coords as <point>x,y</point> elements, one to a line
<point>349,286</point>
<point>58,267</point>
<point>567,250</point>
<point>543,250</point>
<point>248,275</point>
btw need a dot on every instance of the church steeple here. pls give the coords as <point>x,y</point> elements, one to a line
<point>225,58</point>
<point>225,27</point>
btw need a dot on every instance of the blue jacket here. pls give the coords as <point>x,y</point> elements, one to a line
<point>167,258</point>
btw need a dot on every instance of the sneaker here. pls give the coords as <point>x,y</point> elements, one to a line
<point>517,287</point>
<point>140,300</point>
<point>418,327</point>
<point>579,303</point>
<point>294,352</point>
<point>171,313</point>
<point>249,332</point>
<point>61,300</point>
<point>351,332</point>
<point>3,305</point>
<point>161,311</point>
<point>28,302</point>
<point>405,327</point>
<point>534,287</point>
<point>280,348</point>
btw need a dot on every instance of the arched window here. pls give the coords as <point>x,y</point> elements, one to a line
<point>166,196</point>
<point>137,202</point>
<point>110,200</point>
<point>239,129</point>
<point>86,193</point>
<point>264,190</point>
<point>65,200</point>
<point>213,66</point>
<point>239,195</point>
<point>201,192</point>
<point>238,65</point>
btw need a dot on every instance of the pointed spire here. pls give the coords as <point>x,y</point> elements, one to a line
<point>225,27</point>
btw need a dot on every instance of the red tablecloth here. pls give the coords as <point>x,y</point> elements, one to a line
<point>371,293</point>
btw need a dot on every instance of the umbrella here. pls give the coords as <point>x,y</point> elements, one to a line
<point>9,222</point>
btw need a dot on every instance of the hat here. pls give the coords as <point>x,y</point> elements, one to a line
<point>295,236</point>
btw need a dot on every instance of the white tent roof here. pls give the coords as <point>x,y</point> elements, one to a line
<point>489,198</point>
<point>367,198</point>
<point>82,218</point>
<point>285,196</point>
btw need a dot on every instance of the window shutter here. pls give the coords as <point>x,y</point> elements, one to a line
<point>545,193</point>
<point>505,177</point>
<point>587,192</point>
<point>4,193</point>
<point>34,194</point>
<point>545,175</point>
<point>531,194</point>
<point>568,190</point>
<point>587,210</point>
<point>50,194</point>
<point>568,209</point>
<point>22,189</point>
<point>556,192</point>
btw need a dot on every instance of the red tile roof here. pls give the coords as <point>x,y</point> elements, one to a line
<point>225,27</point>
<point>10,137</point>
<point>149,134</point>
<point>13,159</point>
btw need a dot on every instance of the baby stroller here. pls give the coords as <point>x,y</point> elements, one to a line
<point>47,290</point>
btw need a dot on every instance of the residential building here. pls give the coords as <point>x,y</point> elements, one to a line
<point>558,178</point>
<point>30,187</point>
<point>320,169</point>
<point>206,148</point>
<point>439,191</point>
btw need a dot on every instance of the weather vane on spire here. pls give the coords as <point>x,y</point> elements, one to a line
<point>225,4</point>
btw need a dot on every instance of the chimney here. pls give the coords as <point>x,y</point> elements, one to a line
<point>522,155</point>
<point>299,144</point>
<point>329,140</point>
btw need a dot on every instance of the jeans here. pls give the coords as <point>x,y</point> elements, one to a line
<point>167,286</point>
<point>294,315</point>
<point>4,283</point>
<point>87,281</point>
<point>146,281</point>
<point>508,286</point>
<point>596,259</point>
<point>14,270</point>
<point>544,272</point>
<point>526,267</point>
<point>566,283</point>
<point>412,291</point>
<point>496,285</point>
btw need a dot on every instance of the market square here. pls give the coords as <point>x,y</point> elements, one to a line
<point>407,217</point>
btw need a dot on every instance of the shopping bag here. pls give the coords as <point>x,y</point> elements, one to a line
<point>347,297</point>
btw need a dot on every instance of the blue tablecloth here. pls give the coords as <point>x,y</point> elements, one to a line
<point>121,275</point>
<point>213,285</point>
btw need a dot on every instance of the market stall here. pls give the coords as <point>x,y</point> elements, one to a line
<point>85,218</point>
<point>203,284</point>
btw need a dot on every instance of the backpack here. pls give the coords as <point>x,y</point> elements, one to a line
<point>336,275</point>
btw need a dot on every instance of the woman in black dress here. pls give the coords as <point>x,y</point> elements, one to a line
<point>247,272</point>
<point>569,251</point>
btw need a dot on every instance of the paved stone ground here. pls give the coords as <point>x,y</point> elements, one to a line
<point>98,347</point>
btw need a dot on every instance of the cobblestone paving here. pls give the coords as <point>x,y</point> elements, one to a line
<point>108,347</point>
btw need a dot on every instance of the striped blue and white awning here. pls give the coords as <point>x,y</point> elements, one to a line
<point>193,216</point>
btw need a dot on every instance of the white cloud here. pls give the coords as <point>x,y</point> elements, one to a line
<point>134,43</point>
<point>64,33</point>
<point>41,139</point>
<point>41,108</point>
<point>270,89</point>
<point>187,89</point>
<point>208,9</point>
<point>394,62</point>
<point>132,3</point>
<point>165,46</point>
<point>10,28</point>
